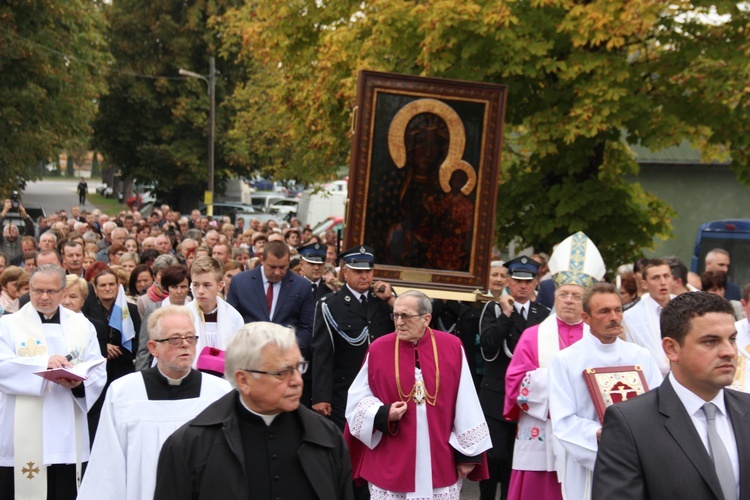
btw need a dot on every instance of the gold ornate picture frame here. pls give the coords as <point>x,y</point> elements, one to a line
<point>423,178</point>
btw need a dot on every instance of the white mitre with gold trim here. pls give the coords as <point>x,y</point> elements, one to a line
<point>577,261</point>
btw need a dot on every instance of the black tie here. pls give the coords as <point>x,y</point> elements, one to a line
<point>363,299</point>
<point>314,288</point>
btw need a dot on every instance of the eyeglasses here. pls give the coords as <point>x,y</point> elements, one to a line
<point>176,341</point>
<point>573,296</point>
<point>284,374</point>
<point>38,291</point>
<point>404,316</point>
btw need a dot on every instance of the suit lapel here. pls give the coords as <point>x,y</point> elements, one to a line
<point>738,416</point>
<point>682,429</point>
<point>260,293</point>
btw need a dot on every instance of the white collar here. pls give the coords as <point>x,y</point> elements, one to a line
<point>694,403</point>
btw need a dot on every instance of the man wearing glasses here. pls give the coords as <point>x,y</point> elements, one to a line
<point>257,441</point>
<point>575,266</point>
<point>44,440</point>
<point>142,409</point>
<point>415,425</point>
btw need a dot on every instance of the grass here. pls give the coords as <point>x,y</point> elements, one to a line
<point>109,206</point>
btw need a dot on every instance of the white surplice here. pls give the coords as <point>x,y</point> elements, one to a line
<point>59,405</point>
<point>574,418</point>
<point>641,325</point>
<point>131,432</point>
<point>742,377</point>
<point>468,417</point>
<point>219,334</point>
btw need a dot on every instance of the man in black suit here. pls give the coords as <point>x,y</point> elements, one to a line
<point>501,326</point>
<point>688,438</point>
<point>271,292</point>
<point>346,322</point>
<point>313,263</point>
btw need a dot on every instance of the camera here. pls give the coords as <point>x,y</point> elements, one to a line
<point>14,200</point>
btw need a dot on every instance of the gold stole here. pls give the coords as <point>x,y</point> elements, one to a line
<point>30,473</point>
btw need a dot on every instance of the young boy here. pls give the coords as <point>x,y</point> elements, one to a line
<point>216,322</point>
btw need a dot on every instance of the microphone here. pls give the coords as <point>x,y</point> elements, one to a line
<point>72,355</point>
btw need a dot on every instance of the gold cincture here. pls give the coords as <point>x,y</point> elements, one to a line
<point>419,392</point>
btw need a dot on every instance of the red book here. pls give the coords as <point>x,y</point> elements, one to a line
<point>80,371</point>
<point>613,384</point>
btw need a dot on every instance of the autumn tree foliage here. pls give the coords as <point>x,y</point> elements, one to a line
<point>585,79</point>
<point>153,125</point>
<point>51,55</point>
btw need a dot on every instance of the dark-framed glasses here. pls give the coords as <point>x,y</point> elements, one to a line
<point>177,340</point>
<point>286,374</point>
<point>404,316</point>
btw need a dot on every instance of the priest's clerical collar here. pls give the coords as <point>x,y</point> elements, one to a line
<point>268,419</point>
<point>173,381</point>
<point>54,318</point>
<point>570,324</point>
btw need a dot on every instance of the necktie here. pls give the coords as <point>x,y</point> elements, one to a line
<point>269,297</point>
<point>363,299</point>
<point>722,463</point>
<point>314,288</point>
<point>524,313</point>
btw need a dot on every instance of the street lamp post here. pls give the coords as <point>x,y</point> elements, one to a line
<point>211,81</point>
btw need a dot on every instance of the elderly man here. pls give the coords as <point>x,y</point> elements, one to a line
<point>346,322</point>
<point>142,409</point>
<point>575,422</point>
<point>257,441</point>
<point>47,241</point>
<point>689,437</point>
<point>45,435</point>
<point>416,425</point>
<point>575,265</point>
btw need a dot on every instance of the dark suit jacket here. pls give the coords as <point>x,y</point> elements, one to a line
<point>495,331</point>
<point>336,362</point>
<point>321,291</point>
<point>650,450</point>
<point>294,306</point>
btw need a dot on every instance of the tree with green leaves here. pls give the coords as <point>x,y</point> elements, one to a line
<point>153,125</point>
<point>51,58</point>
<point>585,79</point>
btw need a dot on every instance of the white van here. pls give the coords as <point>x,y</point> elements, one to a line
<point>328,201</point>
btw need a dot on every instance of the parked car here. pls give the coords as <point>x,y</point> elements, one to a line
<point>335,223</point>
<point>285,208</point>
<point>234,209</point>
<point>264,200</point>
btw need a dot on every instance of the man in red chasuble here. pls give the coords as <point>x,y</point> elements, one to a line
<point>415,427</point>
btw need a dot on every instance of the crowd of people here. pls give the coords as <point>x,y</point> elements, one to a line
<point>265,361</point>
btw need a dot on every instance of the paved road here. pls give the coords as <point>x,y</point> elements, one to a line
<point>56,195</point>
